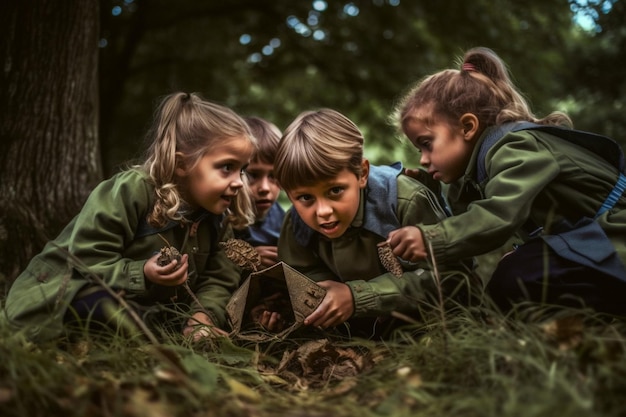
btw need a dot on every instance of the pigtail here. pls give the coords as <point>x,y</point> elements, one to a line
<point>484,63</point>
<point>241,214</point>
<point>162,160</point>
<point>482,86</point>
<point>557,118</point>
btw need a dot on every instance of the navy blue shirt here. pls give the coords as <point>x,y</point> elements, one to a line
<point>264,232</point>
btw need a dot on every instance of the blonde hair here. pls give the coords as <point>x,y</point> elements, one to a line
<point>482,87</point>
<point>267,135</point>
<point>185,128</point>
<point>316,146</point>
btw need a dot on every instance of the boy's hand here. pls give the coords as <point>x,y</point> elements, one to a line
<point>174,273</point>
<point>408,243</point>
<point>269,255</point>
<point>200,326</point>
<point>336,307</point>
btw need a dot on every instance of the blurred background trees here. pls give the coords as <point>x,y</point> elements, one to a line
<point>276,58</point>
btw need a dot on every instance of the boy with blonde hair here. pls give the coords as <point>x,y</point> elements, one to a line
<point>343,210</point>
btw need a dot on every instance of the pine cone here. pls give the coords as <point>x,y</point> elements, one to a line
<point>168,254</point>
<point>389,260</point>
<point>242,254</point>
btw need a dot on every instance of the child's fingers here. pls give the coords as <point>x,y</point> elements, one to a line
<point>275,322</point>
<point>176,264</point>
<point>314,319</point>
<point>321,317</point>
<point>335,308</point>
<point>271,321</point>
<point>199,332</point>
<point>322,320</point>
<point>174,276</point>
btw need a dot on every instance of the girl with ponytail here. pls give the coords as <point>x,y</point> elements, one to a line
<point>557,191</point>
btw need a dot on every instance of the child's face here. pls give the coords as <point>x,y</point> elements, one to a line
<point>215,181</point>
<point>329,206</point>
<point>263,185</point>
<point>445,149</point>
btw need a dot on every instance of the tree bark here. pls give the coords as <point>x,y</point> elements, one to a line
<point>49,151</point>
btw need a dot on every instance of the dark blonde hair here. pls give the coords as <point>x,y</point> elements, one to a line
<point>317,146</point>
<point>267,136</point>
<point>185,128</point>
<point>482,87</point>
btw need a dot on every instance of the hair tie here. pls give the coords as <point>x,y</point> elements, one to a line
<point>468,67</point>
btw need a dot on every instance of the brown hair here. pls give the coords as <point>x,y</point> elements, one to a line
<point>482,87</point>
<point>185,128</point>
<point>316,146</point>
<point>267,135</point>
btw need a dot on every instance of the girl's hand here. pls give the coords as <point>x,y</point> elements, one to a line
<point>425,178</point>
<point>408,243</point>
<point>174,273</point>
<point>336,307</point>
<point>200,326</point>
<point>269,255</point>
<point>418,174</point>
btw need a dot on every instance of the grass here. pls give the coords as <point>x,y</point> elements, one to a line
<point>471,362</point>
<point>481,363</point>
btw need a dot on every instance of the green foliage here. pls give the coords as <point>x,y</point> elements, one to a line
<point>595,81</point>
<point>367,53</point>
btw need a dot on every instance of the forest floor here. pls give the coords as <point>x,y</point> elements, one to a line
<point>468,362</point>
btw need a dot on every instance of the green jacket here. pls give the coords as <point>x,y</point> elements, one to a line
<point>534,179</point>
<point>104,237</point>
<point>353,258</point>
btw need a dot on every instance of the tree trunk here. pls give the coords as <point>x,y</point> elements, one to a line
<point>49,151</point>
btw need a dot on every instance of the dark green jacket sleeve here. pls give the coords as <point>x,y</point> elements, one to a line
<point>99,239</point>
<point>385,293</point>
<point>535,180</point>
<point>519,169</point>
<point>104,231</point>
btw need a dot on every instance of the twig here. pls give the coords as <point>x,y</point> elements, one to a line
<point>164,239</point>
<point>181,374</point>
<point>402,316</point>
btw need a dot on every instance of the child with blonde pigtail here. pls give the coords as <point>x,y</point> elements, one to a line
<point>191,178</point>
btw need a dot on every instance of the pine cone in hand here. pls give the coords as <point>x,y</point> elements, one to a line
<point>168,254</point>
<point>389,260</point>
<point>242,254</point>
